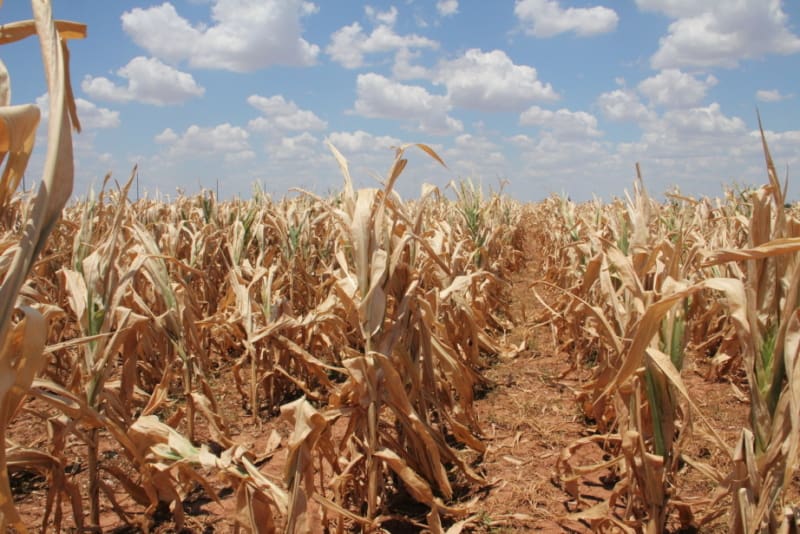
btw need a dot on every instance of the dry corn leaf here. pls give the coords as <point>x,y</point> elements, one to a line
<point>21,357</point>
<point>17,134</point>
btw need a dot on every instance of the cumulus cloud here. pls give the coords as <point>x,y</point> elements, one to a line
<point>721,33</point>
<point>104,89</point>
<point>490,81</point>
<point>90,115</point>
<point>286,131</point>
<point>623,105</point>
<point>350,44</point>
<point>380,97</point>
<point>403,69</point>
<point>280,114</point>
<point>296,147</point>
<point>91,163</point>
<point>360,141</point>
<point>447,8</point>
<point>166,137</point>
<point>239,157</point>
<point>701,121</point>
<point>699,137</point>
<point>476,156</point>
<point>93,117</point>
<point>224,139</point>
<point>782,144</point>
<point>546,18</point>
<point>244,35</point>
<point>580,168</point>
<point>771,95</point>
<point>697,149</point>
<point>388,17</point>
<point>148,80</point>
<point>563,123</point>
<point>476,143</point>
<point>554,159</point>
<point>673,88</point>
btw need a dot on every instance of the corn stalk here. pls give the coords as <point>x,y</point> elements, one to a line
<point>766,320</point>
<point>21,354</point>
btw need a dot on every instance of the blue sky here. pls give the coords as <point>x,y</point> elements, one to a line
<point>557,96</point>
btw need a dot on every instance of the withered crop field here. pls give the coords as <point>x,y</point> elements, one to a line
<point>458,362</point>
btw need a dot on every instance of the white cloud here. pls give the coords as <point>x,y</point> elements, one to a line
<point>308,8</point>
<point>381,17</point>
<point>771,95</point>
<point>197,142</point>
<point>546,18</point>
<point>245,35</point>
<point>104,89</point>
<point>238,157</point>
<point>403,69</point>
<point>478,151</point>
<point>476,156</point>
<point>350,44</point>
<point>477,143</point>
<point>90,163</point>
<point>553,154</point>
<point>380,97</point>
<point>162,31</point>
<point>702,121</point>
<point>166,137</point>
<point>699,150</point>
<point>490,81</point>
<point>676,8</point>
<point>149,81</point>
<point>673,88</point>
<point>720,32</point>
<point>347,46</point>
<point>90,116</point>
<point>301,146</point>
<point>623,105</point>
<point>93,117</point>
<point>578,167</point>
<point>563,123</point>
<point>360,141</point>
<point>447,8</point>
<point>280,114</point>
<point>682,139</point>
<point>782,145</point>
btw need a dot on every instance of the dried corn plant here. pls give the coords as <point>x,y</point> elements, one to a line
<point>630,308</point>
<point>23,329</point>
<point>766,320</point>
<point>654,415</point>
<point>155,304</point>
<point>174,465</point>
<point>645,284</point>
<point>408,387</point>
<point>94,289</point>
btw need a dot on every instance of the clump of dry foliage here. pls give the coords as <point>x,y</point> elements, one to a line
<point>642,287</point>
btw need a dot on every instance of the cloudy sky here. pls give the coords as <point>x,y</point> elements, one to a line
<point>557,96</point>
